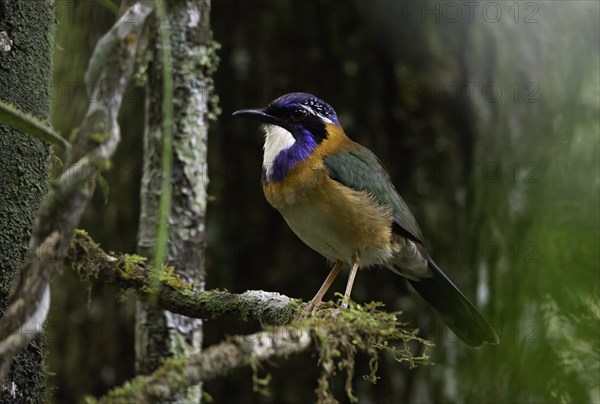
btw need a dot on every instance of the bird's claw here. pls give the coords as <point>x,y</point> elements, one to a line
<point>309,310</point>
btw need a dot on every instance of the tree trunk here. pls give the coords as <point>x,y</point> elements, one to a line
<point>159,333</point>
<point>26,45</point>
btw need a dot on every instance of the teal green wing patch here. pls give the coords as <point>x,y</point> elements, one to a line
<point>361,170</point>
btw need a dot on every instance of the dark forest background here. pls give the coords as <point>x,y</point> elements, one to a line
<point>486,115</point>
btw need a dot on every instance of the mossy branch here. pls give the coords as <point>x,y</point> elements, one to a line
<point>176,375</point>
<point>131,273</point>
<point>19,120</point>
<point>337,335</point>
<point>95,142</point>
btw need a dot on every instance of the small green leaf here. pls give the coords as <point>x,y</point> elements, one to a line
<point>104,187</point>
<point>31,125</point>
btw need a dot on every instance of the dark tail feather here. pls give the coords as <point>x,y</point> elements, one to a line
<point>454,308</point>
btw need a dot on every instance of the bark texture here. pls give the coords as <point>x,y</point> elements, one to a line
<point>159,333</point>
<point>176,374</point>
<point>130,272</point>
<point>109,70</point>
<point>26,32</point>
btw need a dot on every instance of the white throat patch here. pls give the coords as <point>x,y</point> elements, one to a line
<point>277,140</point>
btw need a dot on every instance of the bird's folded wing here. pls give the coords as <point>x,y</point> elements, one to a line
<point>361,170</point>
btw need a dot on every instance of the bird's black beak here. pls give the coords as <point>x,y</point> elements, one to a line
<point>258,115</point>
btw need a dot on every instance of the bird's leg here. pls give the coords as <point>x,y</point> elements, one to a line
<point>312,306</point>
<point>353,270</point>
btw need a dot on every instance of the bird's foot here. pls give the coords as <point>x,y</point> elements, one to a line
<point>309,310</point>
<point>312,307</point>
<point>335,312</point>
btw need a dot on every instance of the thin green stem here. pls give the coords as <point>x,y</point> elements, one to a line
<point>167,149</point>
<point>110,6</point>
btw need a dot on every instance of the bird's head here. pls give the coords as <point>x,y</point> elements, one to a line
<point>298,113</point>
<point>294,125</point>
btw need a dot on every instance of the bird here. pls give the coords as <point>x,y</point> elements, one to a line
<point>337,197</point>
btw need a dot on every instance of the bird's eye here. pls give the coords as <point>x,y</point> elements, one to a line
<point>298,114</point>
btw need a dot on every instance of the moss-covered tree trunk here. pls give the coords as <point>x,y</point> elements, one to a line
<point>26,45</point>
<point>159,333</point>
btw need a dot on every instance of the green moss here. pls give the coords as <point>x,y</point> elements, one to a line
<point>341,334</point>
<point>169,277</point>
<point>131,263</point>
<point>259,385</point>
<point>125,393</point>
<point>215,303</point>
<point>209,61</point>
<point>173,370</point>
<point>80,233</point>
<point>88,260</point>
<point>149,388</point>
<point>214,110</point>
<point>81,255</point>
<point>206,398</point>
<point>100,137</point>
<point>209,58</point>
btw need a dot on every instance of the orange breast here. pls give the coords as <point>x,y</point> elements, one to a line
<point>331,218</point>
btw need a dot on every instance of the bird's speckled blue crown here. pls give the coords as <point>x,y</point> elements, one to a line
<point>309,101</point>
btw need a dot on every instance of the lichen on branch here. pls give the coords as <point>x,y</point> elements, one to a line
<point>131,273</point>
<point>337,335</point>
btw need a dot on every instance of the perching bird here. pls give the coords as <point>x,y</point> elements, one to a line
<point>337,197</point>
